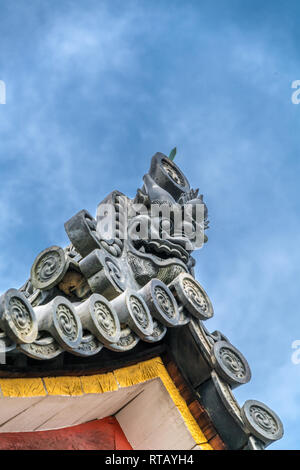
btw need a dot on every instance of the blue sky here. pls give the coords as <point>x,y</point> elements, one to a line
<point>95,88</point>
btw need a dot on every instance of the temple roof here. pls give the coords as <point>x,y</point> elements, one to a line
<point>124,290</point>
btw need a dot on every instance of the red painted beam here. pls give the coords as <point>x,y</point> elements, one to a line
<point>103,434</point>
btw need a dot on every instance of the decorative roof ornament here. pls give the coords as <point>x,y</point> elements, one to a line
<point>127,277</point>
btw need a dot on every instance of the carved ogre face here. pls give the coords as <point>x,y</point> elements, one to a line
<point>160,228</point>
<point>163,232</point>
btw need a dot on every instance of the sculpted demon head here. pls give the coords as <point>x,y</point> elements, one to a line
<point>156,232</point>
<point>130,242</point>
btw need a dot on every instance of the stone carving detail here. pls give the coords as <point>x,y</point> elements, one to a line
<point>46,350</point>
<point>20,316</point>
<point>163,177</point>
<point>17,317</point>
<point>60,320</point>
<point>230,364</point>
<point>89,346</point>
<point>159,332</point>
<point>195,294</point>
<point>105,318</point>
<point>172,172</point>
<point>81,229</point>
<point>115,272</point>
<point>49,268</point>
<point>264,419</point>
<point>44,347</point>
<point>139,311</point>
<point>127,341</point>
<point>191,296</point>
<point>67,322</point>
<point>165,302</point>
<point>261,421</point>
<point>133,312</point>
<point>160,302</point>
